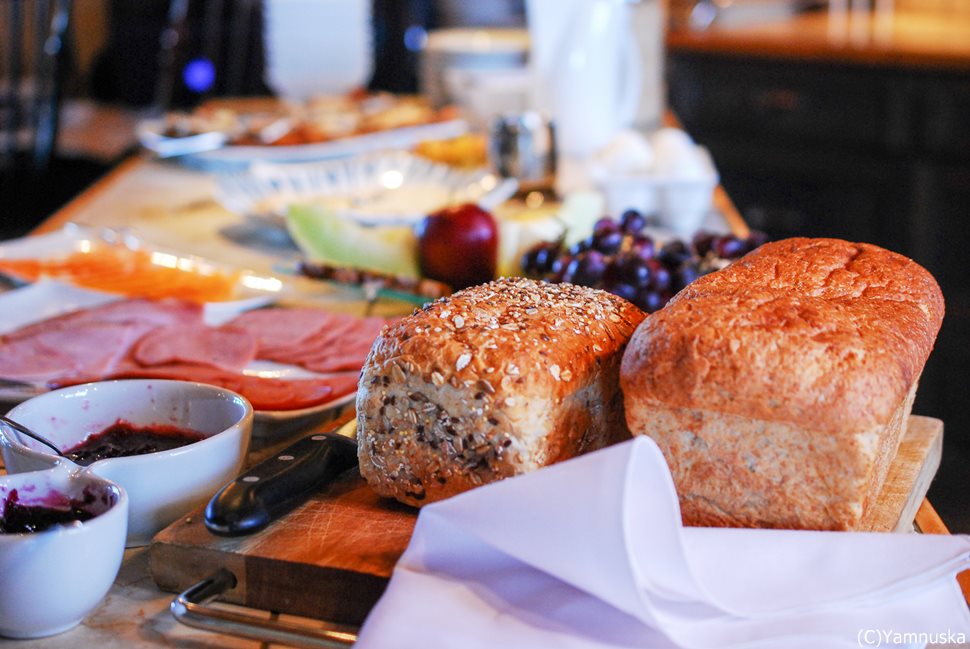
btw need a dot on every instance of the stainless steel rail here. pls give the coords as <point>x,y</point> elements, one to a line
<point>190,608</point>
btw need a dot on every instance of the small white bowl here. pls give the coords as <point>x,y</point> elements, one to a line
<point>680,201</point>
<point>161,486</point>
<point>52,579</point>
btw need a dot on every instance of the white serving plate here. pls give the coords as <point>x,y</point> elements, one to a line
<point>380,188</point>
<point>47,299</point>
<point>210,151</point>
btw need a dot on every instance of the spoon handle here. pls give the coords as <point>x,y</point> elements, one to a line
<point>23,430</point>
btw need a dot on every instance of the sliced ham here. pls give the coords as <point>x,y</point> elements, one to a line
<point>339,328</point>
<point>347,340</point>
<point>263,393</point>
<point>89,342</point>
<point>168,339</point>
<point>349,353</point>
<point>336,362</point>
<point>321,340</point>
<point>280,326</point>
<point>228,348</point>
<point>146,313</point>
<point>87,350</point>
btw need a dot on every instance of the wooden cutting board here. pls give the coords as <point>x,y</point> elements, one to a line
<point>330,559</point>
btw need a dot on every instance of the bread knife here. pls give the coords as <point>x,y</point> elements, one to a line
<point>279,484</point>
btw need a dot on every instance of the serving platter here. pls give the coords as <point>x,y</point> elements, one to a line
<point>282,284</point>
<point>118,261</point>
<point>47,299</point>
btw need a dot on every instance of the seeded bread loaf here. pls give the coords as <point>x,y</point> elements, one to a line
<point>496,380</point>
<point>779,387</point>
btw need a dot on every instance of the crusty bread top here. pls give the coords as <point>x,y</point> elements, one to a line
<point>822,333</point>
<point>510,335</point>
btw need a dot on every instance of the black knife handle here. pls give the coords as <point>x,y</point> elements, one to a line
<point>272,488</point>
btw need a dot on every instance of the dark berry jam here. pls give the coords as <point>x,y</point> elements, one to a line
<point>123,439</point>
<point>19,518</point>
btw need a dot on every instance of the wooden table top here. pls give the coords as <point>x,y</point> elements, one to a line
<point>923,40</point>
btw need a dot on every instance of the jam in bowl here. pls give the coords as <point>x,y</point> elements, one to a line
<point>124,439</point>
<point>96,420</point>
<point>61,545</point>
<point>53,509</point>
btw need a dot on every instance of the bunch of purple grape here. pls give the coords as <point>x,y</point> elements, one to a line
<point>620,258</point>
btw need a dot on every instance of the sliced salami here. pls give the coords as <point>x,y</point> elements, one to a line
<point>263,393</point>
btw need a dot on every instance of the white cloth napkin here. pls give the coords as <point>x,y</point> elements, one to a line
<point>591,553</point>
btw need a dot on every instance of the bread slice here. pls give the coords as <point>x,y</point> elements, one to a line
<point>779,388</point>
<point>491,382</point>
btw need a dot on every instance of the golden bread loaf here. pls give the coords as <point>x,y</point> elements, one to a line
<point>496,380</point>
<point>779,388</point>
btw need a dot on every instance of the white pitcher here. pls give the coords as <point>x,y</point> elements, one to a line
<point>587,68</point>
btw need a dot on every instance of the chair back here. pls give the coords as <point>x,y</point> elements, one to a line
<point>32,50</point>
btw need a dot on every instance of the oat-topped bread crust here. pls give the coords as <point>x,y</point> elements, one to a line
<point>493,381</point>
<point>779,387</point>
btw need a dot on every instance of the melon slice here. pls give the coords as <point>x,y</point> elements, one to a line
<point>326,237</point>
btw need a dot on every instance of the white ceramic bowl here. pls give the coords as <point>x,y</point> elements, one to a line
<point>52,579</point>
<point>680,201</point>
<point>161,486</point>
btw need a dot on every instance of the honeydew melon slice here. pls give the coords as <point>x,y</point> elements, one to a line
<point>328,238</point>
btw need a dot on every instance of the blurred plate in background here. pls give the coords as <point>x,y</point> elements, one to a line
<point>210,151</point>
<point>373,189</point>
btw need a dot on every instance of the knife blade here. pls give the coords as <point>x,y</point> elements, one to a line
<point>279,484</point>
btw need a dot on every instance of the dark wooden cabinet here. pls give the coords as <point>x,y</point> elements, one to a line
<point>791,191</point>
<point>817,105</point>
<point>860,152</point>
<point>944,104</point>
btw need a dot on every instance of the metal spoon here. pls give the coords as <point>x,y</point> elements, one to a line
<point>23,430</point>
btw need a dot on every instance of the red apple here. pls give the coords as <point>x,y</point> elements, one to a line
<point>458,245</point>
